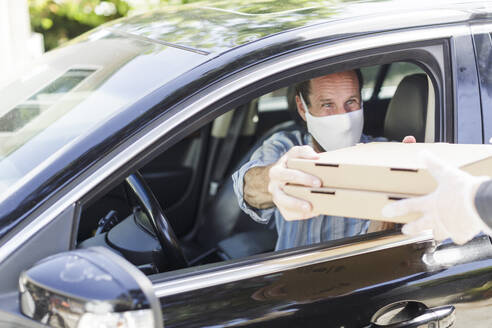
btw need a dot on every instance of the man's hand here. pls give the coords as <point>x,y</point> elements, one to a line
<point>279,175</point>
<point>263,186</point>
<point>448,211</point>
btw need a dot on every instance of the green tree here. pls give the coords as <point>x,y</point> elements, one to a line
<point>60,20</point>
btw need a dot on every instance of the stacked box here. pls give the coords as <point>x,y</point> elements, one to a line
<point>358,181</point>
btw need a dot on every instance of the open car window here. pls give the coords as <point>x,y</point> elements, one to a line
<point>192,181</point>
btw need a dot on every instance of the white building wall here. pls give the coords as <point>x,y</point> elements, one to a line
<point>18,45</point>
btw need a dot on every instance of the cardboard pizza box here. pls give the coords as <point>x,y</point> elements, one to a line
<point>351,203</point>
<point>359,181</point>
<point>392,167</point>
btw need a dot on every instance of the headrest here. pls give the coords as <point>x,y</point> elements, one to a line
<point>407,110</point>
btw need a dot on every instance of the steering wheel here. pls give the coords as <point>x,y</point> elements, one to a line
<point>165,235</point>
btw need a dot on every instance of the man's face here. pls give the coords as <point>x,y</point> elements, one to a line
<point>332,94</point>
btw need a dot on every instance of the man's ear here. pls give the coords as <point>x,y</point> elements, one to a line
<point>300,108</point>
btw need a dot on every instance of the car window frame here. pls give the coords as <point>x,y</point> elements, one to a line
<point>482,38</point>
<point>178,281</point>
<point>407,49</point>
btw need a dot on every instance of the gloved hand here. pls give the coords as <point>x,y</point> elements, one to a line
<point>449,211</point>
<point>292,208</point>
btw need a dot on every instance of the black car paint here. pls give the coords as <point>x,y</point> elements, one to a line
<point>62,272</point>
<point>345,292</point>
<point>483,49</point>
<point>467,115</point>
<point>59,290</point>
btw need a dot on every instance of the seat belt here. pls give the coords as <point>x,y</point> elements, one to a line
<point>227,150</point>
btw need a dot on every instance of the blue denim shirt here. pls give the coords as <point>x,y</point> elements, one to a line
<point>295,233</point>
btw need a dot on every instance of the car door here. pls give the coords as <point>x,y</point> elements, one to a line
<point>340,284</point>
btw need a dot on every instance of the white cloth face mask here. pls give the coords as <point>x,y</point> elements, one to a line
<point>335,131</point>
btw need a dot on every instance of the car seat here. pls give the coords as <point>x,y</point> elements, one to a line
<point>411,110</point>
<point>227,227</point>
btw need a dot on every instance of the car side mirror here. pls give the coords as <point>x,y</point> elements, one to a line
<point>90,287</point>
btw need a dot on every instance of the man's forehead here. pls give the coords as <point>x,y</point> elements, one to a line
<point>341,84</point>
<point>339,77</point>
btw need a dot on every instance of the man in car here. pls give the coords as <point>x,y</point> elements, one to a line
<point>331,106</point>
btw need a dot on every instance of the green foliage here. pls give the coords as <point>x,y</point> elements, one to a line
<point>61,20</point>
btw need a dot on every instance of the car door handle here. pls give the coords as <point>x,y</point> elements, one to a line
<point>409,314</point>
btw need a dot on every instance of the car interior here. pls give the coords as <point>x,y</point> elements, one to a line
<point>190,183</point>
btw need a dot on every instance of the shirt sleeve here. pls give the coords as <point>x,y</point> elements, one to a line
<point>271,150</point>
<point>483,202</point>
<point>367,138</point>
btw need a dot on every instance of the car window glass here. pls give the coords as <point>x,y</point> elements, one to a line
<point>71,91</point>
<point>395,74</point>
<point>369,75</point>
<point>273,101</point>
<point>41,101</point>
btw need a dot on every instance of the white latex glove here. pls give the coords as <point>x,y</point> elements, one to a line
<point>292,208</point>
<point>449,211</point>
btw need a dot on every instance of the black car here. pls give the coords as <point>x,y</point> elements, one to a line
<point>116,152</point>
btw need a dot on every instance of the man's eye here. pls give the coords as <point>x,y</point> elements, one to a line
<point>327,105</point>
<point>351,102</point>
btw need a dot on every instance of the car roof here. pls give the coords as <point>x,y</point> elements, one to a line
<point>217,26</point>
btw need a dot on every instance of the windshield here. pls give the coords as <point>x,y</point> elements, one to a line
<point>72,90</point>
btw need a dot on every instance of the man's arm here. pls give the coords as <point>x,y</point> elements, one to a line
<point>255,190</point>
<point>263,186</point>
<point>250,182</point>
